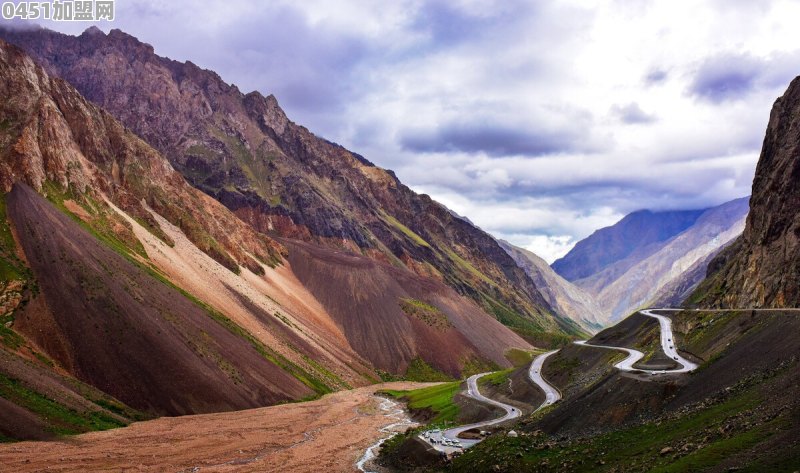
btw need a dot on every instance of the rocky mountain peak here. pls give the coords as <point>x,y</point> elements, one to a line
<point>93,31</point>
<point>267,112</point>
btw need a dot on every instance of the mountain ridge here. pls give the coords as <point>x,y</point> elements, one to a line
<point>644,259</point>
<point>282,179</point>
<point>640,231</point>
<point>89,200</point>
<point>566,297</point>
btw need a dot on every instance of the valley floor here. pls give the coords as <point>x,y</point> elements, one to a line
<point>331,434</point>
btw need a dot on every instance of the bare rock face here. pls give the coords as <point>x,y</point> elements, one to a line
<point>53,136</point>
<point>281,178</point>
<point>763,267</point>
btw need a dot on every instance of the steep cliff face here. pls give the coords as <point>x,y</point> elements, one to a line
<point>562,295</point>
<point>762,269</point>
<point>282,179</point>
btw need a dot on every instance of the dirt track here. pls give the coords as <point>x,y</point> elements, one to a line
<point>329,434</point>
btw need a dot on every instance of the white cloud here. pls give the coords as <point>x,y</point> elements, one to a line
<point>542,120</point>
<point>550,248</point>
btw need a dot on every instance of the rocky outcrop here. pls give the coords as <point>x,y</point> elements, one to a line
<point>762,269</point>
<point>53,139</point>
<point>281,178</point>
<point>562,295</point>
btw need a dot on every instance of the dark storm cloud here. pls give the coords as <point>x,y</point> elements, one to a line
<point>632,114</point>
<point>725,77</point>
<point>731,76</point>
<point>308,67</point>
<point>489,138</point>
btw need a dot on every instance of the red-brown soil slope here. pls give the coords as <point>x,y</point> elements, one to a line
<point>130,198</point>
<point>117,328</point>
<point>375,304</point>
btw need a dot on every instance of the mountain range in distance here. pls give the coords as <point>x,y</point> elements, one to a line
<point>650,259</point>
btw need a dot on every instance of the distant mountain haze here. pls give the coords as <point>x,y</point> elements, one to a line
<point>638,233</point>
<point>650,257</point>
<point>565,297</point>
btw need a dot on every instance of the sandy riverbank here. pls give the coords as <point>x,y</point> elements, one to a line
<point>329,434</point>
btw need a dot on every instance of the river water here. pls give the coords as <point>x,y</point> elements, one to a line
<point>403,422</point>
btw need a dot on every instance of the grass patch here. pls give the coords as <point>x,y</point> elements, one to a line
<point>498,378</point>
<point>11,267</point>
<point>419,370</point>
<point>105,224</point>
<point>437,399</point>
<point>64,421</point>
<point>467,266</point>
<point>477,366</point>
<point>404,230</point>
<point>10,338</point>
<point>519,357</point>
<point>427,313</point>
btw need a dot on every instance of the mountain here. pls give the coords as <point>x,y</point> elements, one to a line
<point>644,279</point>
<point>762,268</point>
<point>666,264</point>
<point>636,236</point>
<point>565,297</point>
<point>675,292</point>
<point>283,180</point>
<point>127,293</point>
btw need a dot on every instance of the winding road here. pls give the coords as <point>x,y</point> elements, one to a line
<point>667,344</point>
<point>473,392</point>
<point>535,373</point>
<point>552,394</point>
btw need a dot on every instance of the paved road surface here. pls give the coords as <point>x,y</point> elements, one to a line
<point>667,344</point>
<point>535,373</point>
<point>473,392</point>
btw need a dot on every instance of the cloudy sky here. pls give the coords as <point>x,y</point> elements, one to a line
<point>540,121</point>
